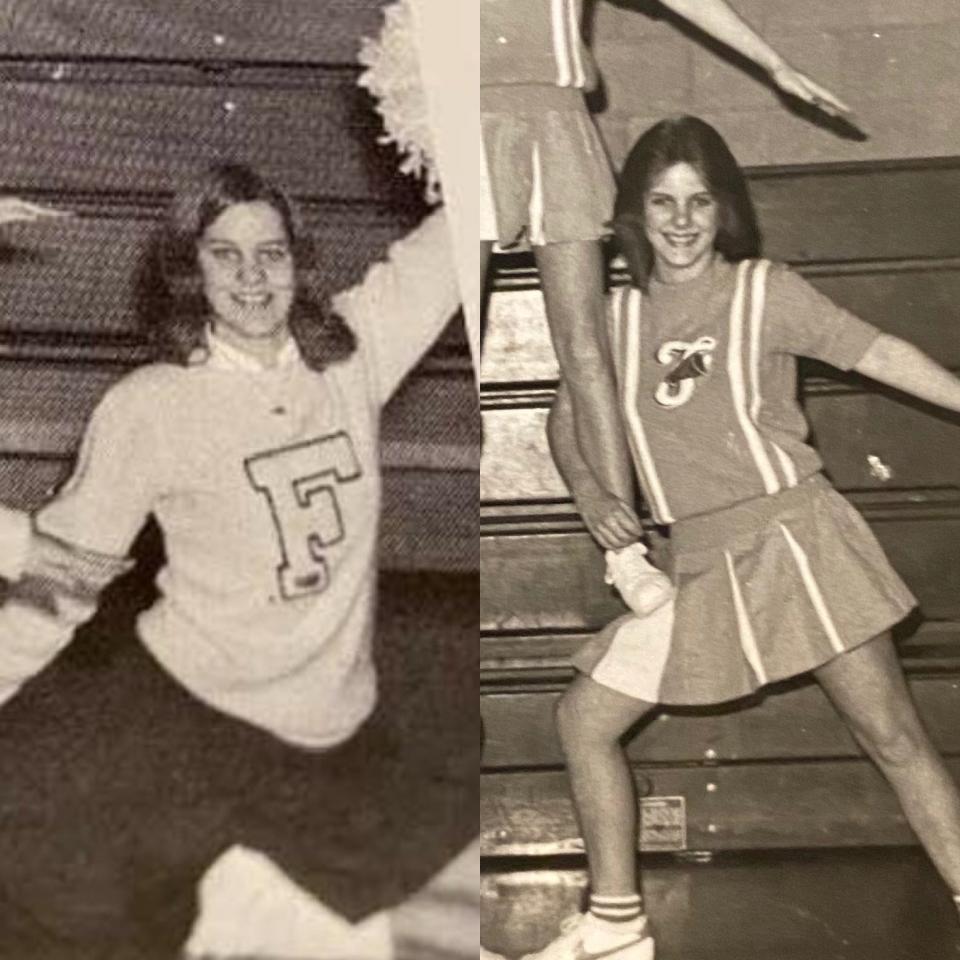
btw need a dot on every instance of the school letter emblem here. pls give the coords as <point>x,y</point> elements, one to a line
<point>300,484</point>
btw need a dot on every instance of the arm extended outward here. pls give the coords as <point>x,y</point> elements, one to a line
<point>903,366</point>
<point>720,21</point>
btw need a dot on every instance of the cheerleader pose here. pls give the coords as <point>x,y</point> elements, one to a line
<point>243,712</point>
<point>548,181</point>
<point>775,574</point>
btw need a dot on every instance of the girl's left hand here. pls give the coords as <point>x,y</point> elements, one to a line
<point>799,85</point>
<point>15,210</point>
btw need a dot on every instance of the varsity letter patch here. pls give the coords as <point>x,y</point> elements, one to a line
<point>689,360</point>
<point>300,484</point>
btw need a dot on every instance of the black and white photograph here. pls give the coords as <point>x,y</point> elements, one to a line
<point>720,480</point>
<point>239,462</point>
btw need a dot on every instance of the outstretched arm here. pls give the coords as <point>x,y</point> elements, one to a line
<point>612,522</point>
<point>15,210</point>
<point>718,19</point>
<point>903,366</point>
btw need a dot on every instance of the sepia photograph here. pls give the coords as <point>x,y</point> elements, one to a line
<point>720,481</point>
<point>239,462</point>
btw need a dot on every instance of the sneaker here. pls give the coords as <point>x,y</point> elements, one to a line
<point>582,937</point>
<point>643,587</point>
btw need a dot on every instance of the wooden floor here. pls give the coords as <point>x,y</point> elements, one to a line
<point>873,904</point>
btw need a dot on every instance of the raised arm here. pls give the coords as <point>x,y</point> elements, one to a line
<point>718,19</point>
<point>405,301</point>
<point>899,364</point>
<point>612,523</point>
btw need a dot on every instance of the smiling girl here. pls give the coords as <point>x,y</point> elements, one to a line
<point>775,574</point>
<point>244,710</point>
<point>547,181</point>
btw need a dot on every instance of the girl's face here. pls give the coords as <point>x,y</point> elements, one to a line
<point>680,221</point>
<point>248,276</point>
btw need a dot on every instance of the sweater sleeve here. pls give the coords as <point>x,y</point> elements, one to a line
<point>404,302</point>
<point>14,542</point>
<point>805,323</point>
<point>102,507</point>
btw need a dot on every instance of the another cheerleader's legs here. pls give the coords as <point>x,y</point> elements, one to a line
<point>867,687</point>
<point>572,278</point>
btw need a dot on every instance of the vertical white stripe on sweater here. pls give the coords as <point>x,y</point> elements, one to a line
<point>558,27</point>
<point>659,503</point>
<point>738,386</point>
<point>813,590</point>
<point>748,640</point>
<point>579,77</point>
<point>758,301</point>
<point>537,233</point>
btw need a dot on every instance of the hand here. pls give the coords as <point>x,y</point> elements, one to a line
<point>611,522</point>
<point>15,210</point>
<point>801,86</point>
<point>70,570</point>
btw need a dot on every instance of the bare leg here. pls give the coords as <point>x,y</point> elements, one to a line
<point>591,719</point>
<point>867,687</point>
<point>572,277</point>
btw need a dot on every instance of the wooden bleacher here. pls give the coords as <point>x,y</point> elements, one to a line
<point>779,771</point>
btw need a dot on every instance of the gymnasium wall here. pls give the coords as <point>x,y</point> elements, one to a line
<point>897,64</point>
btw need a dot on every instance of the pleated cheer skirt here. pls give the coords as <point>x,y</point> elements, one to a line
<point>548,177</point>
<point>766,590</point>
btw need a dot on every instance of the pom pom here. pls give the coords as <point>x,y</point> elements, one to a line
<point>393,76</point>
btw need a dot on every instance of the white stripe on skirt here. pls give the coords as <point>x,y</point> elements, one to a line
<point>631,389</point>
<point>537,233</point>
<point>748,641</point>
<point>738,388</point>
<point>813,589</point>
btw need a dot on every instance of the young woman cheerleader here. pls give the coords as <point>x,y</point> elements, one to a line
<point>775,574</point>
<point>547,180</point>
<point>244,711</point>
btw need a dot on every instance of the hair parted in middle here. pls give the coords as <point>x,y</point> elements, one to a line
<point>683,139</point>
<point>179,331</point>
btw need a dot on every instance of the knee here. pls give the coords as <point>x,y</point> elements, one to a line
<point>578,729</point>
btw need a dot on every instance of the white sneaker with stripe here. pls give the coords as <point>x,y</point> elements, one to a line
<point>583,937</point>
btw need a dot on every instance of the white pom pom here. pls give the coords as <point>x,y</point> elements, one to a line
<point>393,77</point>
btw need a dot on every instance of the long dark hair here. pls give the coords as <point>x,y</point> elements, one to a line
<point>689,140</point>
<point>179,327</point>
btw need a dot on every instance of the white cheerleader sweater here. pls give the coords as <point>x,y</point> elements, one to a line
<point>265,483</point>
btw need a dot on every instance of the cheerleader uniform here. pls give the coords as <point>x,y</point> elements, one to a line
<point>775,573</point>
<point>248,712</point>
<point>547,177</point>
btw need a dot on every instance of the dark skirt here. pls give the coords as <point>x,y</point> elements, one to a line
<point>119,789</point>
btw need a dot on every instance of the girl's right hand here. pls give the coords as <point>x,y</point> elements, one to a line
<point>15,210</point>
<point>612,523</point>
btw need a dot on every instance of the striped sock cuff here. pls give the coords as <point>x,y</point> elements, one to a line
<point>619,909</point>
